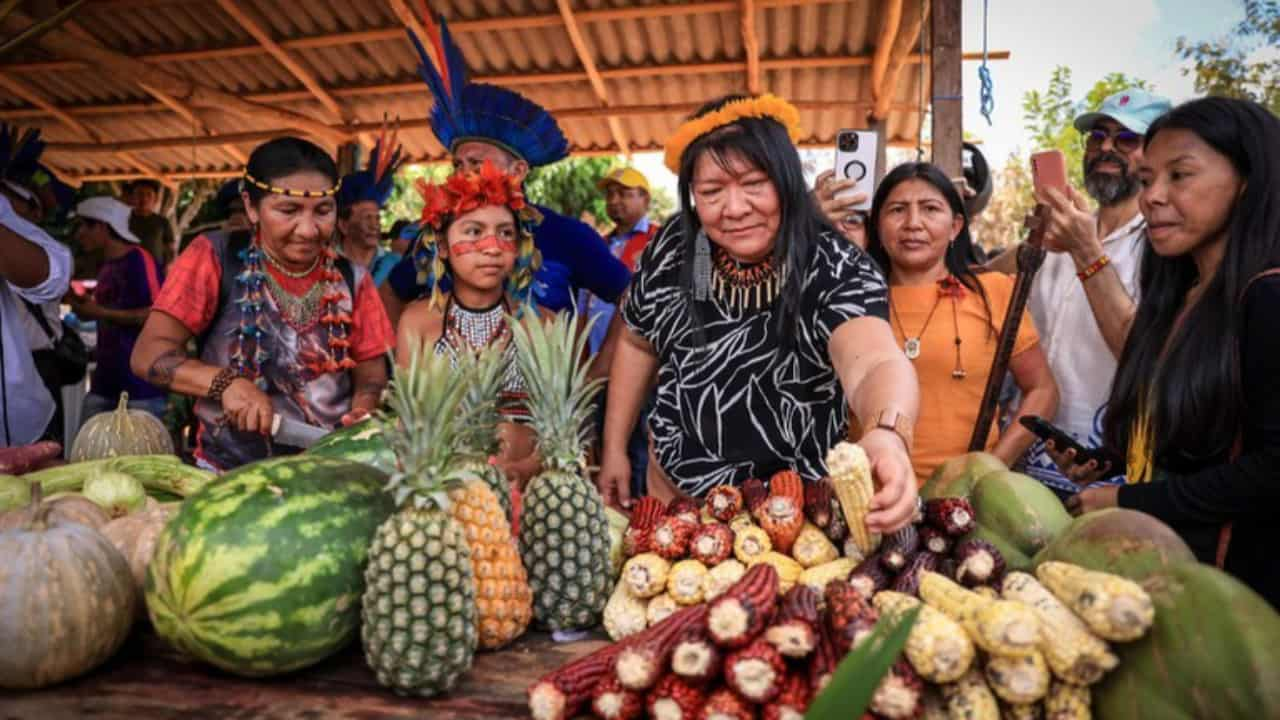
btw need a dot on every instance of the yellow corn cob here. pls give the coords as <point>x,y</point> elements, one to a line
<point>1074,653</point>
<point>1018,680</point>
<point>812,547</point>
<point>969,698</point>
<point>741,520</point>
<point>1000,627</point>
<point>938,648</point>
<point>788,570</point>
<point>1067,702</point>
<point>684,582</point>
<point>624,614</point>
<point>750,542</point>
<point>987,592</point>
<point>646,574</point>
<point>1028,711</point>
<point>818,577</point>
<point>851,479</point>
<point>660,608</point>
<point>1113,607</point>
<point>721,578</point>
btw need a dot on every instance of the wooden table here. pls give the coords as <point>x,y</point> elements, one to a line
<point>147,680</point>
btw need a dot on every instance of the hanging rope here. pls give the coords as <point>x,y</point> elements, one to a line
<point>987,98</point>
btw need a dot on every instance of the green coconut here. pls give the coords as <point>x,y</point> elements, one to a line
<point>957,476</point>
<point>1125,542</point>
<point>1018,510</point>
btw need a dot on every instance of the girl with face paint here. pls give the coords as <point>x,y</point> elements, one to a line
<point>479,254</point>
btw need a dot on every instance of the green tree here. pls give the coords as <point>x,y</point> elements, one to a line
<point>405,203</point>
<point>569,186</point>
<point>1243,64</point>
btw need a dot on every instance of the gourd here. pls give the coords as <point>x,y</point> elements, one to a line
<point>119,494</point>
<point>69,600</point>
<point>121,432</point>
<point>135,537</point>
<point>69,508</point>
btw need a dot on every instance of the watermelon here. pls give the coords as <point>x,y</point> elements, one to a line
<point>957,476</point>
<point>1213,652</point>
<point>1125,542</point>
<point>1017,514</point>
<point>261,572</point>
<point>362,442</point>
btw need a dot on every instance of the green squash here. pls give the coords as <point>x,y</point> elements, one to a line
<point>1017,514</point>
<point>1125,542</point>
<point>957,476</point>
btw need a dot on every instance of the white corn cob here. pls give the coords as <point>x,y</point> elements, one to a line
<point>851,479</point>
<point>721,578</point>
<point>684,582</point>
<point>938,647</point>
<point>624,614</point>
<point>1073,652</point>
<point>1113,607</point>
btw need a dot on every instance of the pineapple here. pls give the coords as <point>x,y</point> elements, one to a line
<point>564,533</point>
<point>503,599</point>
<point>419,607</point>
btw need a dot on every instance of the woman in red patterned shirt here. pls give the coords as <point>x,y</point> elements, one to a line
<point>284,326</point>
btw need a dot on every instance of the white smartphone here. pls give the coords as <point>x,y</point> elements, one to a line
<point>856,152</point>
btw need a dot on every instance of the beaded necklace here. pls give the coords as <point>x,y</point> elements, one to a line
<point>744,287</point>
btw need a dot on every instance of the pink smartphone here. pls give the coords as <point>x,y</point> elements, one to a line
<point>1049,170</point>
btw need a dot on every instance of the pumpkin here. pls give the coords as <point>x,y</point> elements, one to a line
<point>121,432</point>
<point>67,507</point>
<point>69,599</point>
<point>135,537</point>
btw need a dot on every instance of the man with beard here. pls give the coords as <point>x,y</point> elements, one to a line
<point>1085,295</point>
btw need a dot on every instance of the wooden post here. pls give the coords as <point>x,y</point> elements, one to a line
<point>948,125</point>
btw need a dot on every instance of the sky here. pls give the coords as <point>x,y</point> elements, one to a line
<point>1093,37</point>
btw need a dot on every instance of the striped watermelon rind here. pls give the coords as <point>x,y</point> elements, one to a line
<point>362,442</point>
<point>261,572</point>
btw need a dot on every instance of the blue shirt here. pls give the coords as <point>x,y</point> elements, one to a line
<point>383,263</point>
<point>573,257</point>
<point>599,308</point>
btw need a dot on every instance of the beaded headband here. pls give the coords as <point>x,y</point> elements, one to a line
<point>763,106</point>
<point>266,187</point>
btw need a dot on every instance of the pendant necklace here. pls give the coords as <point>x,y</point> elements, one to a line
<point>911,345</point>
<point>948,287</point>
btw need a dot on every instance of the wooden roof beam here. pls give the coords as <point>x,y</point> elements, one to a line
<point>890,19</point>
<point>303,75</point>
<point>909,29</point>
<point>593,74</point>
<point>751,46</point>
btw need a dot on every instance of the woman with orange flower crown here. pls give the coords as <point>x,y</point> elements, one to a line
<point>760,325</point>
<point>476,241</point>
<point>287,329</point>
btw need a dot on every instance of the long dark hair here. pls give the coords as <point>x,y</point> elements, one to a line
<point>960,254</point>
<point>285,156</point>
<point>1197,403</point>
<point>764,143</point>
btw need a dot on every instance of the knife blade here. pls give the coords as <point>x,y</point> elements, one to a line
<point>288,431</point>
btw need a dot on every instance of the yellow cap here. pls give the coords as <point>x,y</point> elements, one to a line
<point>626,177</point>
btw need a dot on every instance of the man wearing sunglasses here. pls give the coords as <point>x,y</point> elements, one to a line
<point>1084,296</point>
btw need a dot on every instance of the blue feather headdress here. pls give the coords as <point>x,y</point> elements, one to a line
<point>375,182</point>
<point>475,112</point>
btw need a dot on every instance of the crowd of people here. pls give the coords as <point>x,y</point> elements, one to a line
<point>761,323</point>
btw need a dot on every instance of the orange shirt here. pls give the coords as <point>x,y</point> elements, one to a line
<point>949,406</point>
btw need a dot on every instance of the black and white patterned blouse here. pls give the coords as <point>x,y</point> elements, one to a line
<point>733,409</point>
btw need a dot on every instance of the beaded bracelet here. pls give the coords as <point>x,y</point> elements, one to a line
<point>221,382</point>
<point>1093,268</point>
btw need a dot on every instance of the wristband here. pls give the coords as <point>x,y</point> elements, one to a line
<point>220,383</point>
<point>1093,268</point>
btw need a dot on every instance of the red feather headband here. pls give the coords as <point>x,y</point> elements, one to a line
<point>464,191</point>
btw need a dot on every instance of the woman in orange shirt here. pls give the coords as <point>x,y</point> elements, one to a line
<point>948,318</point>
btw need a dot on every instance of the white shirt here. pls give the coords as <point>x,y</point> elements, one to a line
<point>25,404</point>
<point>1077,353</point>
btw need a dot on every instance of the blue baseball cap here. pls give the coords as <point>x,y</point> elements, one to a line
<point>1133,108</point>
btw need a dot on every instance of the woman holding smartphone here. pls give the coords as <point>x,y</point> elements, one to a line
<point>1195,406</point>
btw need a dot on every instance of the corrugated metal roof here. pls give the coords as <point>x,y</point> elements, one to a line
<point>674,54</point>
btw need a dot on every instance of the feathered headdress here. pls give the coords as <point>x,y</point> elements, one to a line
<point>461,193</point>
<point>465,111</point>
<point>375,182</point>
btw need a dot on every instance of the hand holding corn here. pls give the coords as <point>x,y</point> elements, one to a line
<point>886,482</point>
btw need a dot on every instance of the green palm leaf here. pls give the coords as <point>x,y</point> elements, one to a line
<point>856,678</point>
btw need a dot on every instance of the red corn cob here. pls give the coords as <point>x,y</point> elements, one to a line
<point>934,540</point>
<point>823,661</point>
<point>754,493</point>
<point>695,658</point>
<point>849,616</point>
<point>869,577</point>
<point>640,664</point>
<point>946,566</point>
<point>685,507</point>
<point>611,701</point>
<point>792,701</point>
<point>817,503</point>
<point>898,548</point>
<point>978,562</point>
<point>712,544</point>
<point>787,483</point>
<point>671,536</point>
<point>908,581</point>
<point>782,518</point>
<point>724,502</point>
<point>646,514</point>
<point>560,694</point>
<point>674,699</point>
<point>899,694</point>
<point>725,704</point>
<point>953,515</point>
<point>756,671</point>
<point>795,632</point>
<point>743,611</point>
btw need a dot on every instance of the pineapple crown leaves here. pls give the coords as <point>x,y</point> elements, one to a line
<point>551,356</point>
<point>425,427</point>
<point>486,369</point>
